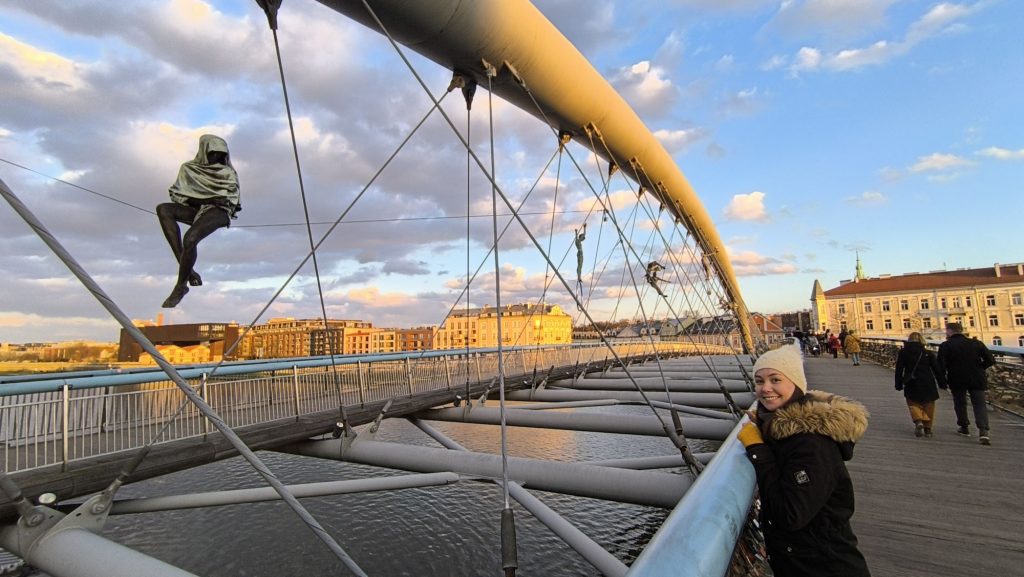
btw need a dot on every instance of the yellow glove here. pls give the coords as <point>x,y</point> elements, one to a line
<point>750,435</point>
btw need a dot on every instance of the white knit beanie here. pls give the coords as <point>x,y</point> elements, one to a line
<point>788,361</point>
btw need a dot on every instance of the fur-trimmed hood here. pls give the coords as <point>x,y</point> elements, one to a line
<point>841,419</point>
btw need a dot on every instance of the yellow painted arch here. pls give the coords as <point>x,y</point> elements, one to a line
<point>462,34</point>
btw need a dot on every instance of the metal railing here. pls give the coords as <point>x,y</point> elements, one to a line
<point>56,421</point>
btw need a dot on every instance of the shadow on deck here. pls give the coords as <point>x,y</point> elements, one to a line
<point>941,506</point>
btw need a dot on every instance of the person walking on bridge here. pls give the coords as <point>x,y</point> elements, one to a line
<point>962,362</point>
<point>917,374</point>
<point>851,344</point>
<point>798,441</point>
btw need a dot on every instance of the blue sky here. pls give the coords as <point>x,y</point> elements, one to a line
<point>811,130</point>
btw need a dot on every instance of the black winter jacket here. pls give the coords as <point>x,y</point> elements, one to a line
<point>963,362</point>
<point>914,361</point>
<point>806,491</point>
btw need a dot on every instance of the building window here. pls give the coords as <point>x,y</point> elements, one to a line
<point>1017,299</point>
<point>1020,341</point>
<point>842,308</point>
<point>924,304</point>
<point>904,305</point>
<point>1018,320</point>
<point>869,325</point>
<point>867,307</point>
<point>968,301</point>
<point>993,320</point>
<point>885,306</point>
<point>956,302</point>
<point>906,323</point>
<point>926,323</point>
<point>942,303</point>
<point>970,321</point>
<point>888,324</point>
<point>997,341</point>
<point>990,300</point>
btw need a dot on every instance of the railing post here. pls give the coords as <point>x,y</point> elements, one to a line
<point>362,384</point>
<point>64,423</point>
<point>204,392</point>
<point>408,374</point>
<point>447,372</point>
<point>295,389</point>
<point>479,373</point>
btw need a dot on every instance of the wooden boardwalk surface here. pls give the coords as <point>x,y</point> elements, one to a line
<point>940,507</point>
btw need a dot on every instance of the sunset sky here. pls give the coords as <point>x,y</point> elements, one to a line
<point>812,130</point>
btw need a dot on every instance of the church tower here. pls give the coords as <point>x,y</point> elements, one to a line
<point>819,309</point>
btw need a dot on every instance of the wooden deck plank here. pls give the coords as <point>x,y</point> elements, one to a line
<point>942,506</point>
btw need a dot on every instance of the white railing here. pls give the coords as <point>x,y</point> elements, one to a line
<point>65,423</point>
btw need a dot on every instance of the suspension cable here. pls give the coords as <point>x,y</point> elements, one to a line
<point>328,341</point>
<point>508,537</point>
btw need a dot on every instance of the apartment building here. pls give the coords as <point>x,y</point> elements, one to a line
<point>521,324</point>
<point>289,337</point>
<point>989,302</point>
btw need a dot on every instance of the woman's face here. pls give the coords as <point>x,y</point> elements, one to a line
<point>773,388</point>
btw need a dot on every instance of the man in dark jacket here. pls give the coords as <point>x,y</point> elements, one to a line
<point>963,362</point>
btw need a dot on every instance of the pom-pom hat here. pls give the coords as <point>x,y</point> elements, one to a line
<point>788,361</point>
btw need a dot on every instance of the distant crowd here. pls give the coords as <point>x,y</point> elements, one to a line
<point>828,342</point>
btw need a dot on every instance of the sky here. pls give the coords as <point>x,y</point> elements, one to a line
<point>813,131</point>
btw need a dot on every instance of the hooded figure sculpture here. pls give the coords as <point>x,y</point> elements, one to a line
<point>798,441</point>
<point>206,197</point>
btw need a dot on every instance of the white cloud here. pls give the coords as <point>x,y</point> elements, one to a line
<point>750,263</point>
<point>868,198</point>
<point>646,87</point>
<point>940,19</point>
<point>806,59</point>
<point>747,207</point>
<point>679,140</point>
<point>829,19</point>
<point>937,162</point>
<point>39,67</point>
<point>1002,153</point>
<point>619,199</point>
<point>774,63</point>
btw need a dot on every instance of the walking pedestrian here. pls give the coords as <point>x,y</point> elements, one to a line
<point>962,362</point>
<point>842,342</point>
<point>852,346</point>
<point>919,377</point>
<point>798,441</point>
<point>833,345</point>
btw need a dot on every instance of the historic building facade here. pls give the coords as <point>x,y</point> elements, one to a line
<point>288,337</point>
<point>989,302</point>
<point>521,324</point>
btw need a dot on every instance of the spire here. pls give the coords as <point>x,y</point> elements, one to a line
<point>859,275</point>
<point>817,292</point>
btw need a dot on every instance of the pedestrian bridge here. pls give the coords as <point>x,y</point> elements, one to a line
<point>72,435</point>
<point>924,506</point>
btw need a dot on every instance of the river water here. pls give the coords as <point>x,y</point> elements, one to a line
<point>430,532</point>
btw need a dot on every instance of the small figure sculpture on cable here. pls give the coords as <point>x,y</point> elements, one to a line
<point>653,268</point>
<point>581,235</point>
<point>206,197</point>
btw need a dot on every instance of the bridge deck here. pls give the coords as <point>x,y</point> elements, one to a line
<point>941,506</point>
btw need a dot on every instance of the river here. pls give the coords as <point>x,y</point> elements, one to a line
<point>430,532</point>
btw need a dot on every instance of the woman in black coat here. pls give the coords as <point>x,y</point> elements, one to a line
<point>798,441</point>
<point>919,377</point>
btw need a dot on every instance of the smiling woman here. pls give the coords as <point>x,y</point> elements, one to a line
<point>798,441</point>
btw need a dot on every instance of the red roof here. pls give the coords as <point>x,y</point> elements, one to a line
<point>967,278</point>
